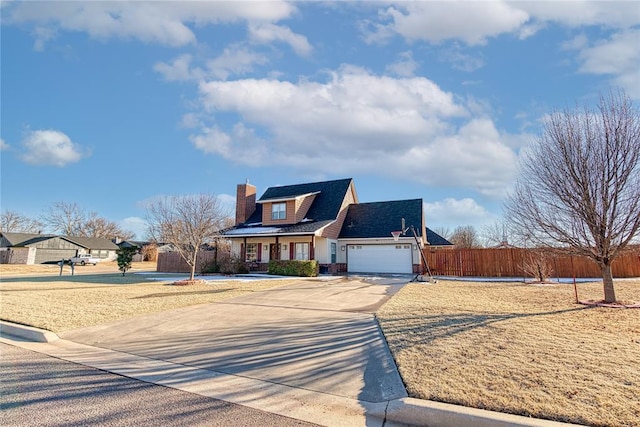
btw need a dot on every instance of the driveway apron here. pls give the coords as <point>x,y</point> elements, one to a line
<point>317,335</point>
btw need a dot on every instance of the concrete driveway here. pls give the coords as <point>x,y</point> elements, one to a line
<point>315,335</point>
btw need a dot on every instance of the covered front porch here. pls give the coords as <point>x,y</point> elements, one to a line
<point>257,251</point>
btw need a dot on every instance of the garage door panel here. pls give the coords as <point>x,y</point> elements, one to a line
<point>49,255</point>
<point>379,259</point>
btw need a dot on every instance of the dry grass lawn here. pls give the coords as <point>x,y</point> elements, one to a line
<point>519,348</point>
<point>69,302</point>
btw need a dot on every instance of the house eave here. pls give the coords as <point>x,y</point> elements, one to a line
<point>258,235</point>
<point>286,199</point>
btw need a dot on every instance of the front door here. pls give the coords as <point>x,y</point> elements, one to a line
<point>273,251</point>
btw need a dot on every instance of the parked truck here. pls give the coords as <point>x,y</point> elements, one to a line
<point>84,259</point>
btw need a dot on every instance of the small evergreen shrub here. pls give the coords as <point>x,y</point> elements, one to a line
<point>294,268</point>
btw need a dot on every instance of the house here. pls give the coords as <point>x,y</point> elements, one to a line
<point>27,248</point>
<point>140,245</point>
<point>324,221</point>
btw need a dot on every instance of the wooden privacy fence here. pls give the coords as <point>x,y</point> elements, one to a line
<point>172,262</point>
<point>509,262</point>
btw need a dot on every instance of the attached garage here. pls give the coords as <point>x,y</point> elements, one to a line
<point>394,258</point>
<point>51,255</point>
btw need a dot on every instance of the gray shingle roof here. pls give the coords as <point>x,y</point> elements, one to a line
<point>93,242</point>
<point>23,239</point>
<point>435,239</point>
<point>325,206</point>
<point>379,219</point>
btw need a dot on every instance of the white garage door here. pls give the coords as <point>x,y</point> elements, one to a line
<point>379,259</point>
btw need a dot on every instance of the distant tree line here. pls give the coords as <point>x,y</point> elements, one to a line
<point>64,218</point>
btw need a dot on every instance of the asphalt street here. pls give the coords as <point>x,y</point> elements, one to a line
<point>39,390</point>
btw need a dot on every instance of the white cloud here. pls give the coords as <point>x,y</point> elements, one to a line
<point>357,122</point>
<point>618,56</point>
<point>136,225</point>
<point>462,61</point>
<point>179,69</point>
<point>268,33</point>
<point>580,13</point>
<point>456,212</point>
<point>235,60</point>
<point>162,22</point>
<point>50,147</point>
<point>4,145</point>
<point>405,66</point>
<point>213,140</point>
<point>190,121</point>
<point>475,22</point>
<point>470,22</point>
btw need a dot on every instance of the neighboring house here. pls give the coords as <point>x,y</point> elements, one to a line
<point>324,221</point>
<point>99,247</point>
<point>139,246</point>
<point>26,248</point>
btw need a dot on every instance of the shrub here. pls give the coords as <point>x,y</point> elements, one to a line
<point>150,252</point>
<point>537,264</point>
<point>232,265</point>
<point>294,268</point>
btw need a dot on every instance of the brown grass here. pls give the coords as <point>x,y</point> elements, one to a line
<point>520,349</point>
<point>69,302</point>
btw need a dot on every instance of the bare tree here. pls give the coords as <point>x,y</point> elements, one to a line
<point>96,226</point>
<point>537,263</point>
<point>500,234</point>
<point>444,232</point>
<point>150,252</point>
<point>11,221</point>
<point>579,183</point>
<point>65,218</point>
<point>186,222</point>
<point>70,219</point>
<point>465,237</point>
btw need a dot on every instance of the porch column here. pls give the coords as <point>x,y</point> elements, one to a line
<point>243,249</point>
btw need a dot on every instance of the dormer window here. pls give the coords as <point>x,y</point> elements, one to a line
<point>279,211</point>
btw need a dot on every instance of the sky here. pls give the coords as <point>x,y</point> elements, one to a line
<point>111,105</point>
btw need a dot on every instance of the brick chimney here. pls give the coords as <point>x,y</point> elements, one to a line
<point>245,202</point>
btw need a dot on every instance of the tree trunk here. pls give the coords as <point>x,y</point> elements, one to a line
<point>607,280</point>
<point>193,266</point>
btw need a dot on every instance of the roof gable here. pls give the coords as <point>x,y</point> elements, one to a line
<point>327,203</point>
<point>379,219</point>
<point>23,239</point>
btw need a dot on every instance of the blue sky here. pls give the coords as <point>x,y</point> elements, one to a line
<point>111,104</point>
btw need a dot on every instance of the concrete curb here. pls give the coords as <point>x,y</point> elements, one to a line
<point>26,332</point>
<point>416,412</point>
<point>399,412</point>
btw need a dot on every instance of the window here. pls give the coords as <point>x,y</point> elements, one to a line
<point>252,252</point>
<point>279,211</point>
<point>302,251</point>
<point>334,248</point>
<point>99,253</point>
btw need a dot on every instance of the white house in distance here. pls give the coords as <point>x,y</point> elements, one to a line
<point>324,221</point>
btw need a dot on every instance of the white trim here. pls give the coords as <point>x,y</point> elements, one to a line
<point>286,199</point>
